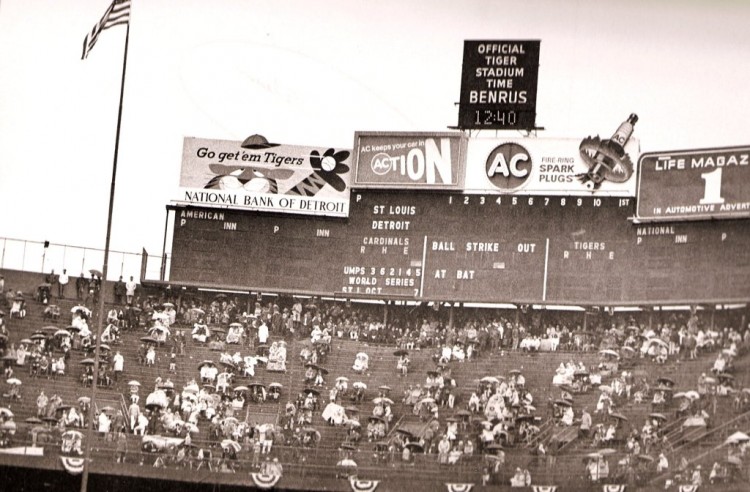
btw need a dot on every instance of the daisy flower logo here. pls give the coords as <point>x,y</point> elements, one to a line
<point>327,169</point>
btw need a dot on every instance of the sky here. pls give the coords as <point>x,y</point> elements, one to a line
<point>313,73</point>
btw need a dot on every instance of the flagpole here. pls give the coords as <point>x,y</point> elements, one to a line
<point>90,425</point>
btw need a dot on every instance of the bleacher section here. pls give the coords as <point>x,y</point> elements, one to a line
<point>701,445</point>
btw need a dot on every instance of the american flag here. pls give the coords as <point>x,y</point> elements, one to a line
<point>117,13</point>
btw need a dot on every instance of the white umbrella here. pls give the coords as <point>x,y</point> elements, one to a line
<point>737,437</point>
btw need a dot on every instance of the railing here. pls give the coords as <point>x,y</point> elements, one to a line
<point>41,256</point>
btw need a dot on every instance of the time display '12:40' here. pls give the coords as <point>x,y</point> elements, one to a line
<point>495,118</point>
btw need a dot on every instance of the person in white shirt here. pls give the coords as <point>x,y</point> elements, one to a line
<point>262,333</point>
<point>61,283</point>
<point>130,287</point>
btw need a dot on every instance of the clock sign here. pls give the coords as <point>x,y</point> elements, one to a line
<point>499,85</point>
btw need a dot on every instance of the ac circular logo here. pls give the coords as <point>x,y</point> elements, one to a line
<point>381,163</point>
<point>508,166</point>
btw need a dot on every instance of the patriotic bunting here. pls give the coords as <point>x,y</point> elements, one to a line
<point>688,488</point>
<point>614,488</point>
<point>544,488</point>
<point>363,485</point>
<point>459,487</point>
<point>74,466</point>
<point>264,481</point>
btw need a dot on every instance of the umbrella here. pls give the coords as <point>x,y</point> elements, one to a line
<point>415,447</point>
<point>133,383</point>
<point>197,310</point>
<point>384,388</point>
<point>737,437</point>
<point>5,412</point>
<point>241,388</point>
<point>383,399</point>
<point>50,329</point>
<point>352,409</point>
<point>8,357</point>
<point>311,390</point>
<point>191,428</point>
<point>220,296</point>
<point>275,385</point>
<point>85,399</point>
<point>610,353</point>
<point>490,379</point>
<point>463,413</point>
<point>347,463</point>
<point>228,363</point>
<point>514,372</point>
<point>62,333</point>
<point>168,304</point>
<point>149,340</point>
<point>618,416</point>
<point>88,362</point>
<point>72,434</point>
<point>107,409</point>
<point>658,341</point>
<point>342,378</point>
<point>50,420</point>
<point>494,446</point>
<point>400,430</point>
<point>257,385</point>
<point>14,381</point>
<point>606,451</point>
<point>236,325</point>
<point>104,346</point>
<point>230,444</point>
<point>360,385</point>
<point>400,352</point>
<point>206,363</point>
<point>627,349</point>
<point>432,372</point>
<point>563,403</point>
<point>725,375</point>
<point>154,406</point>
<point>426,400</point>
<point>665,380</point>
<point>592,456</point>
<point>605,388</point>
<point>27,341</point>
<point>33,420</point>
<point>658,416</point>
<point>348,445</point>
<point>38,336</point>
<point>96,272</point>
<point>694,422</point>
<point>692,394</point>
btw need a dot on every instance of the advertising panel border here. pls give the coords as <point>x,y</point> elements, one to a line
<point>409,160</point>
<point>257,175</point>
<point>690,193</point>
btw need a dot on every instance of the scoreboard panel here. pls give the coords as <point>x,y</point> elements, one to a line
<point>456,247</point>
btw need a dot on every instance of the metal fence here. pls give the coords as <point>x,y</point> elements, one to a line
<point>39,256</point>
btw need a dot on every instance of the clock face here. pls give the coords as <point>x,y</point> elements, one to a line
<point>497,119</point>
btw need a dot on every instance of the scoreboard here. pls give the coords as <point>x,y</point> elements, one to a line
<point>456,247</point>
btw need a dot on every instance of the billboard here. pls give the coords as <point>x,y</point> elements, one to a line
<point>694,184</point>
<point>409,160</point>
<point>499,85</point>
<point>531,166</point>
<point>262,176</point>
